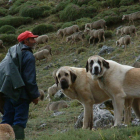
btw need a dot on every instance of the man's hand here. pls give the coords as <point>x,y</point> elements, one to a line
<point>35,101</point>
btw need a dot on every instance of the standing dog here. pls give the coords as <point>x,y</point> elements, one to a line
<point>76,83</point>
<point>120,82</point>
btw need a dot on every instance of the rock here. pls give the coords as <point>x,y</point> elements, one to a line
<point>75,61</point>
<point>105,49</point>
<point>101,118</point>
<point>58,113</point>
<point>59,94</point>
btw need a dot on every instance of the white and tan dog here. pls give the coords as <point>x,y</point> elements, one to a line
<point>76,83</point>
<point>120,82</point>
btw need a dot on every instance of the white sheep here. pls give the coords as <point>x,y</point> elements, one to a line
<point>42,54</point>
<point>132,17</point>
<point>127,30</point>
<point>97,24</point>
<point>123,41</point>
<point>95,34</point>
<point>52,90</point>
<point>68,31</point>
<point>75,37</point>
<point>55,106</point>
<point>46,47</point>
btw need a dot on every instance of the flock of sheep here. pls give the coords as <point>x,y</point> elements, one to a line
<point>95,30</point>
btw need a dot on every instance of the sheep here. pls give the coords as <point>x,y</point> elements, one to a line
<point>132,17</point>
<point>76,36</point>
<point>1,45</point>
<point>95,34</point>
<point>43,39</point>
<point>68,30</point>
<point>6,132</point>
<point>42,94</point>
<point>87,25</point>
<point>97,24</point>
<point>60,32</point>
<point>123,41</point>
<point>42,54</point>
<point>55,106</point>
<point>46,47</point>
<point>52,90</point>
<point>127,30</point>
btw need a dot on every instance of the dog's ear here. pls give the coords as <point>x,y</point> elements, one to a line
<point>73,77</point>
<point>54,75</point>
<point>105,64</point>
<point>87,67</point>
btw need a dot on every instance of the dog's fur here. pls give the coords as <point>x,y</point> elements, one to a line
<point>77,84</point>
<point>120,82</point>
<point>6,132</point>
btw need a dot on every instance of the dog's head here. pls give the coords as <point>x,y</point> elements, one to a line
<point>65,77</point>
<point>97,66</point>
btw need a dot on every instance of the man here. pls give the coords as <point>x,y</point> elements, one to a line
<point>18,83</point>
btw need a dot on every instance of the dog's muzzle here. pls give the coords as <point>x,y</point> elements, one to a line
<point>95,70</point>
<point>64,84</point>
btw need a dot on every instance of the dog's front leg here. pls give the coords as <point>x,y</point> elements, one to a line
<point>88,116</point>
<point>118,109</point>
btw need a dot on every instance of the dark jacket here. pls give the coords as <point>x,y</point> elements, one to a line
<point>17,72</point>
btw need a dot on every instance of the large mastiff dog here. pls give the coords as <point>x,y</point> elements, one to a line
<point>76,83</point>
<point>120,82</point>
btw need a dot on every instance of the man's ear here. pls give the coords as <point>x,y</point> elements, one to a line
<point>106,64</point>
<point>55,77</point>
<point>73,77</point>
<point>87,67</point>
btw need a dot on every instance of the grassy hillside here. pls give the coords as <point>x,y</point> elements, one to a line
<point>32,15</point>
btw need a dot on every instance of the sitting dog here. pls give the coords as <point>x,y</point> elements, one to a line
<point>120,82</point>
<point>76,83</point>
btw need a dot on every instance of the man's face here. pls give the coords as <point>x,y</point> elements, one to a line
<point>30,42</point>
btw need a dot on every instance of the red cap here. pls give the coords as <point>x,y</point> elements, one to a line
<point>26,35</point>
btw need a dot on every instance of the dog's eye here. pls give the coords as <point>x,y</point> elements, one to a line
<point>91,62</point>
<point>66,74</point>
<point>59,75</point>
<point>99,62</point>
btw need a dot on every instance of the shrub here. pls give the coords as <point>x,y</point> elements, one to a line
<point>3,11</point>
<point>108,34</point>
<point>80,2</point>
<point>110,20</point>
<point>7,29</point>
<point>81,22</point>
<point>8,39</point>
<point>126,2</point>
<point>66,24</point>
<point>80,50</point>
<point>15,21</point>
<point>113,3</point>
<point>42,29</point>
<point>60,6</point>
<point>34,12</point>
<point>73,12</point>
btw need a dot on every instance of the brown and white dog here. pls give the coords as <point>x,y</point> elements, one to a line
<point>76,83</point>
<point>120,82</point>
